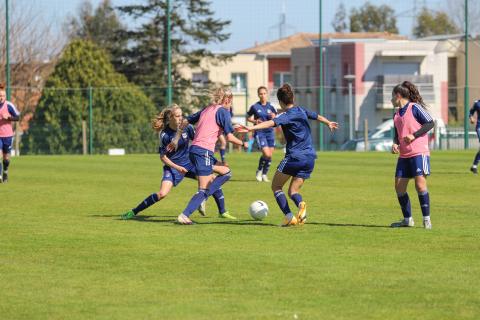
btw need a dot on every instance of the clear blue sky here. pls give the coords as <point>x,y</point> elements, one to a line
<point>253,20</point>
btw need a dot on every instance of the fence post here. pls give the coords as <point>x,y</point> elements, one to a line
<point>84,136</point>
<point>365,134</point>
<point>448,139</point>
<point>90,118</point>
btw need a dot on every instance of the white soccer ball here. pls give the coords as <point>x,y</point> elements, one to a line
<point>258,210</point>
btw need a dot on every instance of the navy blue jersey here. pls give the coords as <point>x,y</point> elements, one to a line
<point>476,109</point>
<point>222,117</point>
<point>12,109</point>
<point>419,113</point>
<point>296,130</point>
<point>179,156</point>
<point>262,112</point>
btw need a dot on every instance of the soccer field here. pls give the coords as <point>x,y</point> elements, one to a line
<point>66,255</point>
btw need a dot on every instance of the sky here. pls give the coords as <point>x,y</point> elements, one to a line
<point>253,21</point>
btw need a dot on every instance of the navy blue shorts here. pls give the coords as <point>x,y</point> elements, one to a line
<point>203,160</point>
<point>265,140</point>
<point>413,167</point>
<point>6,144</point>
<point>299,168</point>
<point>170,174</point>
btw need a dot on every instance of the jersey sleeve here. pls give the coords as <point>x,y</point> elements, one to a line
<point>475,107</point>
<point>13,110</point>
<point>164,142</point>
<point>251,111</point>
<point>224,120</point>
<point>280,120</point>
<point>273,109</point>
<point>421,115</point>
<point>193,118</point>
<point>310,114</point>
<point>191,132</point>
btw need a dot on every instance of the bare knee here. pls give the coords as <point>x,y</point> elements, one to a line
<point>161,194</point>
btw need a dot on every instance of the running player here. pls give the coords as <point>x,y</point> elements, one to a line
<point>258,113</point>
<point>412,122</point>
<point>476,109</point>
<point>300,155</point>
<point>177,164</point>
<point>211,122</point>
<point>8,114</point>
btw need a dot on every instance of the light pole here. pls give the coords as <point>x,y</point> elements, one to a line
<point>350,78</point>
<point>320,75</point>
<point>169,56</point>
<point>466,90</point>
<point>7,49</point>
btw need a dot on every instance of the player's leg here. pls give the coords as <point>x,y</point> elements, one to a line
<point>267,161</point>
<point>223,148</point>
<point>422,190</point>
<point>223,175</point>
<point>476,160</point>
<point>204,182</point>
<point>294,193</point>
<point>279,180</point>
<point>261,144</point>
<point>401,185</point>
<point>1,164</point>
<point>5,149</point>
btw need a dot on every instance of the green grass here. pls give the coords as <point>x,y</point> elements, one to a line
<point>65,255</point>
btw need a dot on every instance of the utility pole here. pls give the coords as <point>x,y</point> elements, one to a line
<point>169,57</point>
<point>467,93</point>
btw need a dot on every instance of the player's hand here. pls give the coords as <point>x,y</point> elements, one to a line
<point>395,148</point>
<point>332,126</point>
<point>472,121</point>
<point>184,124</point>
<point>246,144</point>
<point>171,147</point>
<point>182,170</point>
<point>409,139</point>
<point>258,121</point>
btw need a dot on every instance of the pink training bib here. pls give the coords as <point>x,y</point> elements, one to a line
<point>6,129</point>
<point>207,129</point>
<point>408,125</point>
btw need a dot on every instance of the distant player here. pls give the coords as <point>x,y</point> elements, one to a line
<point>177,163</point>
<point>8,114</point>
<point>211,122</point>
<point>300,155</point>
<point>258,113</point>
<point>412,122</point>
<point>476,109</point>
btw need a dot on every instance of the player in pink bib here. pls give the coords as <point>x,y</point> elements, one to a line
<point>412,123</point>
<point>211,122</point>
<point>8,114</point>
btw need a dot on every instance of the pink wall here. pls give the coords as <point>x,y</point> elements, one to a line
<point>444,100</point>
<point>353,62</point>
<point>277,65</point>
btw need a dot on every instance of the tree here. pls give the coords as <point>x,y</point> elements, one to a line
<point>429,24</point>
<point>121,111</point>
<point>144,60</point>
<point>456,9</point>
<point>339,23</point>
<point>101,26</point>
<point>371,18</point>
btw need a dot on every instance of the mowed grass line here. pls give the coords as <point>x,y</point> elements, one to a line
<point>65,254</point>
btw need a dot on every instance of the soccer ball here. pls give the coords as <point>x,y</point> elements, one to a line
<point>258,210</point>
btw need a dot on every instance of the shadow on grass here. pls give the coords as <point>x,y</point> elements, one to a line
<point>349,225</point>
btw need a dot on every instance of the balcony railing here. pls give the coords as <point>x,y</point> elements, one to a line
<point>386,83</point>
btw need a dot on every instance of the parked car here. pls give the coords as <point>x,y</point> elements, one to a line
<point>381,139</point>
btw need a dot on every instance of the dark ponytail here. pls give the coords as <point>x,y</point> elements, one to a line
<point>285,94</point>
<point>409,91</point>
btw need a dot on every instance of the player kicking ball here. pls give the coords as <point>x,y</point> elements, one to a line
<point>300,154</point>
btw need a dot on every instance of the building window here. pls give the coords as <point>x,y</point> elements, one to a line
<point>239,82</point>
<point>200,79</point>
<point>307,76</point>
<point>295,76</point>
<point>279,78</point>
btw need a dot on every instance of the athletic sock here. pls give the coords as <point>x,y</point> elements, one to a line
<point>218,182</point>
<point>404,201</point>
<point>6,163</point>
<point>424,199</point>
<point>282,201</point>
<point>219,200</point>
<point>150,200</point>
<point>261,163</point>
<point>266,166</point>
<point>297,198</point>
<point>477,159</point>
<point>222,155</point>
<point>195,202</point>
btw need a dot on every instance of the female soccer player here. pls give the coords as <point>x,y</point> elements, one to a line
<point>177,164</point>
<point>8,114</point>
<point>412,122</point>
<point>300,155</point>
<point>211,122</point>
<point>223,144</point>
<point>258,113</point>
<point>476,109</point>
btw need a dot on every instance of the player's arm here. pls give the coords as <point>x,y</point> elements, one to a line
<point>13,112</point>
<point>262,125</point>
<point>315,116</point>
<point>166,160</point>
<point>251,116</point>
<point>396,141</point>
<point>472,112</point>
<point>224,120</point>
<point>424,119</point>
